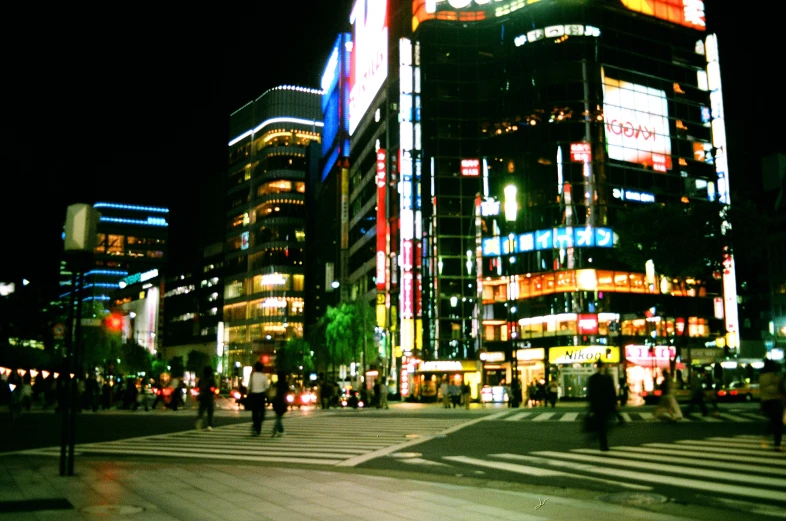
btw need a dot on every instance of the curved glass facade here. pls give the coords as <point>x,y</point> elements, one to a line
<point>266,220</point>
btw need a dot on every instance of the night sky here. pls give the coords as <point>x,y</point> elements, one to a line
<point>131,105</point>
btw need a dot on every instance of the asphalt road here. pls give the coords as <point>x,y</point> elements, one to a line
<point>699,463</point>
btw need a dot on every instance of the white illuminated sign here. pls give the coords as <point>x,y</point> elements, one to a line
<point>637,125</point>
<point>630,195</point>
<point>274,279</point>
<point>556,31</point>
<point>369,56</point>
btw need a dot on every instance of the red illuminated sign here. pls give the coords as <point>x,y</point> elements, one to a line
<point>680,322</point>
<point>580,152</point>
<point>689,13</point>
<point>588,324</point>
<point>470,167</point>
<point>382,228</point>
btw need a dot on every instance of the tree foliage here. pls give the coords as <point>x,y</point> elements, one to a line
<point>196,361</point>
<point>135,359</point>
<point>348,328</point>
<point>177,367</point>
<point>293,356</point>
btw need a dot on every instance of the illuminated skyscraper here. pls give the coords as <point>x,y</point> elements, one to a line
<point>590,109</point>
<point>264,261</point>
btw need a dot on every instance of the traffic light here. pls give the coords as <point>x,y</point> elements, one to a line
<point>265,359</point>
<point>114,322</point>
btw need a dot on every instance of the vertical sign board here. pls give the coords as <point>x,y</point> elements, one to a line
<point>344,264</point>
<point>381,219</point>
<point>718,126</point>
<point>408,193</point>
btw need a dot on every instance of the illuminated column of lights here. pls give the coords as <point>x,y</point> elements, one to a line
<point>718,126</point>
<point>410,296</point>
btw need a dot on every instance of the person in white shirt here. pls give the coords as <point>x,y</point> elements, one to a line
<point>258,384</point>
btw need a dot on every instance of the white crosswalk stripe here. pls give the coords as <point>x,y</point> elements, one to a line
<point>320,439</point>
<point>733,467</point>
<point>534,416</point>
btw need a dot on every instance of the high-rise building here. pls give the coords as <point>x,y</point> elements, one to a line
<point>266,221</point>
<point>131,239</point>
<point>577,111</point>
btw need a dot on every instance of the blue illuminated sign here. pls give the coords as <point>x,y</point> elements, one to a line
<point>151,221</point>
<point>335,103</point>
<point>116,206</point>
<point>554,238</point>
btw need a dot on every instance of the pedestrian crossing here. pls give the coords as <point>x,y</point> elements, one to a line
<point>537,415</point>
<point>737,468</point>
<point>325,439</point>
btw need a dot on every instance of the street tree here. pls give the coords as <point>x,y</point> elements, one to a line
<point>294,357</point>
<point>196,361</point>
<point>349,333</point>
<point>177,367</point>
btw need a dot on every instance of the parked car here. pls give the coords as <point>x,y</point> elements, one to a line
<point>738,391</point>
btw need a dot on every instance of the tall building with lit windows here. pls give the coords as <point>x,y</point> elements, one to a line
<point>579,110</point>
<point>131,239</point>
<point>264,267</point>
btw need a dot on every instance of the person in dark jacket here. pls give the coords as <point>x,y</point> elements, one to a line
<point>280,404</point>
<point>207,389</point>
<point>602,403</point>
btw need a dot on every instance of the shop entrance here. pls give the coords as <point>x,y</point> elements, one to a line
<point>574,380</point>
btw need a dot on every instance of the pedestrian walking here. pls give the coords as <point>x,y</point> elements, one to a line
<point>553,392</point>
<point>444,391</point>
<point>668,405</point>
<point>773,396</point>
<point>532,391</point>
<point>697,394</point>
<point>602,403</point>
<point>514,399</point>
<point>709,386</point>
<point>455,394</point>
<point>280,405</point>
<point>383,396</point>
<point>466,394</point>
<point>92,392</point>
<point>206,398</point>
<point>258,385</point>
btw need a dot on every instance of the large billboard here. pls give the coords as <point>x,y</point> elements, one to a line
<point>369,63</point>
<point>689,13</point>
<point>335,104</point>
<point>637,124</point>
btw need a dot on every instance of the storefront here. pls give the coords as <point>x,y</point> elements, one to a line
<point>497,372</point>
<point>427,377</point>
<point>575,364</point>
<point>645,366</point>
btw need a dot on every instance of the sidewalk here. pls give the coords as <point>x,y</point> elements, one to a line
<point>145,492</point>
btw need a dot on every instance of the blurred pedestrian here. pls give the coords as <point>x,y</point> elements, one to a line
<point>697,394</point>
<point>92,391</point>
<point>444,391</point>
<point>383,395</point>
<point>377,393</point>
<point>668,405</point>
<point>553,392</point>
<point>206,398</point>
<point>466,394</point>
<point>280,404</point>
<point>455,393</point>
<point>258,385</point>
<point>709,392</point>
<point>514,400</point>
<point>602,403</point>
<point>773,396</point>
<point>532,391</point>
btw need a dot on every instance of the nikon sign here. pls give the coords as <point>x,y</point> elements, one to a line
<point>584,354</point>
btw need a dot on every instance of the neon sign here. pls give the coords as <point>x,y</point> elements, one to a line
<point>556,31</point>
<point>689,13</point>
<point>470,167</point>
<point>369,63</point>
<point>552,238</point>
<point>630,195</point>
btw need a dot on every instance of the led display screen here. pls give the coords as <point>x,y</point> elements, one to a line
<point>637,125</point>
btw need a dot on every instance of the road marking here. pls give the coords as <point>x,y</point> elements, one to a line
<point>625,416</point>
<point>543,416</point>
<point>736,489</point>
<point>667,449</point>
<point>357,460</point>
<point>534,471</point>
<point>646,415</point>
<point>688,461</point>
<point>722,445</point>
<point>734,418</point>
<point>709,419</point>
<point>712,474</point>
<point>569,417</point>
<point>517,416</point>
<point>740,452</point>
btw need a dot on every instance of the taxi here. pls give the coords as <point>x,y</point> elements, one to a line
<point>738,392</point>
